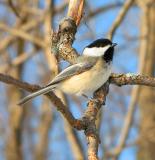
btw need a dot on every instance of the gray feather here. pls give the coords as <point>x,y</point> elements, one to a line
<point>70,71</point>
<point>35,94</point>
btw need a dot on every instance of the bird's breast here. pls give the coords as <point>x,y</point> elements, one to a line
<point>88,81</point>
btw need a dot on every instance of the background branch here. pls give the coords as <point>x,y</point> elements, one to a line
<point>120,17</point>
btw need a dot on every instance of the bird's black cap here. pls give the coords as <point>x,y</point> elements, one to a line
<point>100,43</point>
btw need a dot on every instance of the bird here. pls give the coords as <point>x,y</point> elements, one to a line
<point>91,70</point>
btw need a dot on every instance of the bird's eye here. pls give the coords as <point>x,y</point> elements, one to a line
<point>114,44</point>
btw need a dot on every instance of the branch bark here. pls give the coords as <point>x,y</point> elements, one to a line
<point>132,79</point>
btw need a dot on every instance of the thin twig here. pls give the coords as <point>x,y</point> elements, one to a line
<point>102,10</point>
<point>14,8</point>
<point>22,34</point>
<point>17,61</point>
<point>120,17</point>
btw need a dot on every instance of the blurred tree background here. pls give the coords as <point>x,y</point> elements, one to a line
<point>37,130</point>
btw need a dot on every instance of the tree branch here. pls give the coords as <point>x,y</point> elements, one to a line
<point>103,9</point>
<point>132,79</point>
<point>90,117</point>
<point>53,98</point>
<point>120,17</point>
<point>22,34</point>
<point>88,121</point>
<point>25,28</point>
<point>117,79</point>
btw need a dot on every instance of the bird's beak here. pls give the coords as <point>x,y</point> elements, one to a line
<point>114,44</point>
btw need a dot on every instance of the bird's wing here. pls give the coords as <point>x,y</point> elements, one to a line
<point>70,71</point>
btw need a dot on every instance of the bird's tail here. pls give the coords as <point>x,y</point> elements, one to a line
<point>35,94</point>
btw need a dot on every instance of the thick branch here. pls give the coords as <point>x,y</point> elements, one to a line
<point>132,79</point>
<point>75,10</point>
<point>117,79</point>
<point>90,117</point>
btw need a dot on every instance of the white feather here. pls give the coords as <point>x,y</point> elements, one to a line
<point>96,51</point>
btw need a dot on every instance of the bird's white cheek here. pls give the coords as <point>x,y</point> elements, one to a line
<point>95,51</point>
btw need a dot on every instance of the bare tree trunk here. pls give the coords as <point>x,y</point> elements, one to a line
<point>14,140</point>
<point>147,94</point>
<point>14,144</point>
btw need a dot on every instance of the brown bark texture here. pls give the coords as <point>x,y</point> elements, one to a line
<point>147,94</point>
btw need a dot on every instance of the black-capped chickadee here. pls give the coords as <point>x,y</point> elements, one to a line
<point>89,73</point>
